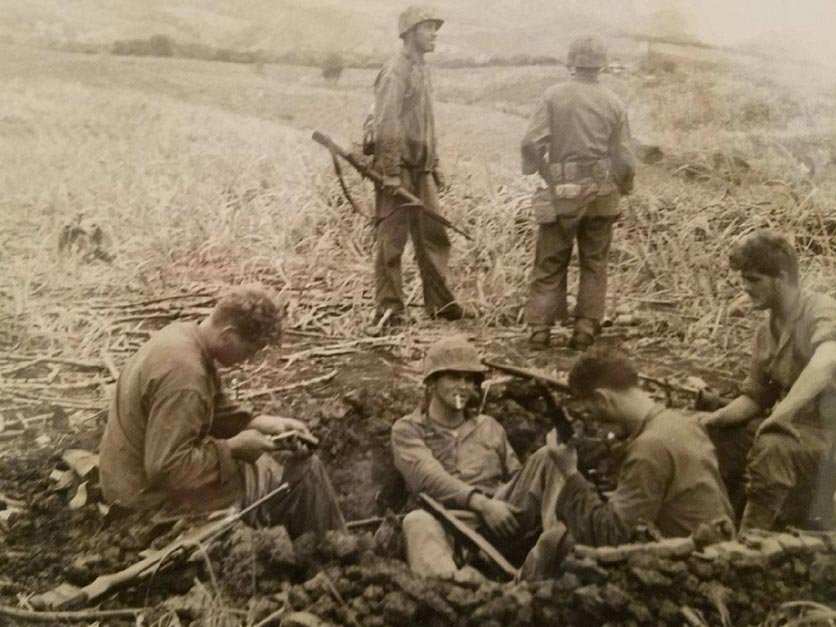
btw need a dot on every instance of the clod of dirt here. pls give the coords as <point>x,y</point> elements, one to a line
<point>302,619</point>
<point>651,578</point>
<point>388,538</point>
<point>257,557</point>
<point>341,546</point>
<point>585,568</point>
<point>398,608</point>
<point>823,572</point>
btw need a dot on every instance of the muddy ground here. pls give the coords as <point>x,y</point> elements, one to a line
<point>359,578</point>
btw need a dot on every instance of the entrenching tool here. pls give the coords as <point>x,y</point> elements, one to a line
<point>411,199</point>
<point>473,538</point>
<point>66,595</point>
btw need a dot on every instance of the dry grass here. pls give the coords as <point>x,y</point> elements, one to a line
<point>200,183</point>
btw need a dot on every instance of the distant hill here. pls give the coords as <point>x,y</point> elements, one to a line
<point>475,28</point>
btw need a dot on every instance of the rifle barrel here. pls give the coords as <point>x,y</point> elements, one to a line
<point>528,374</point>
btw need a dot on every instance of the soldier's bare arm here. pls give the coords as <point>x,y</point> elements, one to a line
<point>819,372</point>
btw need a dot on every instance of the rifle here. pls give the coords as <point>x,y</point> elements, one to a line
<point>560,417</point>
<point>470,536</point>
<point>67,595</point>
<point>705,399</point>
<point>377,178</point>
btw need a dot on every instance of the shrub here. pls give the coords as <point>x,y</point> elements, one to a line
<point>332,67</point>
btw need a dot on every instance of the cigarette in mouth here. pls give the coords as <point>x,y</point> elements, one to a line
<point>459,401</point>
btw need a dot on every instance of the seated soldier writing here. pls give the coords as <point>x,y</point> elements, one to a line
<point>173,439</point>
<point>467,463</point>
<point>668,476</point>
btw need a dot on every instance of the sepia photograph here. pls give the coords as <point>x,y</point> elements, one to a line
<point>391,313</point>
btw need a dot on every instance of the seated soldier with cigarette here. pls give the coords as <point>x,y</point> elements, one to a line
<point>174,440</point>
<point>466,462</point>
<point>668,477</point>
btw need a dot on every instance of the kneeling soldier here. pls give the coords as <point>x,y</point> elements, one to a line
<point>793,372</point>
<point>669,475</point>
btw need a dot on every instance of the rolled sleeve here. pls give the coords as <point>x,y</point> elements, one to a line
<point>597,522</point>
<point>179,454</point>
<point>422,471</point>
<point>823,327</point>
<point>230,417</point>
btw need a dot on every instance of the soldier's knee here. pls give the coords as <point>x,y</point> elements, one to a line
<point>419,519</point>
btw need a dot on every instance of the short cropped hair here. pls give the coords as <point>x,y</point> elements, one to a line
<point>766,253</point>
<point>601,367</point>
<point>252,312</point>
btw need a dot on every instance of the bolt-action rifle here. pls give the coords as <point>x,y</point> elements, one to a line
<point>67,595</point>
<point>371,174</point>
<point>557,412</point>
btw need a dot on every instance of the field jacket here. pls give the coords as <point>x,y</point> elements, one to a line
<point>578,139</point>
<point>164,442</point>
<point>404,124</point>
<point>449,464</point>
<point>669,477</point>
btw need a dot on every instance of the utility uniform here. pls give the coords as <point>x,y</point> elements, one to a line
<point>451,464</point>
<point>780,470</point>
<point>405,147</point>
<point>669,477</point>
<point>578,139</point>
<point>164,445</point>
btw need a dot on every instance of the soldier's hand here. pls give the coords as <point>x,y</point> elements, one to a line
<point>440,180</point>
<point>498,515</point>
<point>249,445</point>
<point>276,425</point>
<point>715,419</point>
<point>391,184</point>
<point>564,457</point>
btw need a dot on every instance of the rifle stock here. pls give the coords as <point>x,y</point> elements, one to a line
<point>470,536</point>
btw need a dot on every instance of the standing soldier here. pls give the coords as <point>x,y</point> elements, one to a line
<point>578,141</point>
<point>405,154</point>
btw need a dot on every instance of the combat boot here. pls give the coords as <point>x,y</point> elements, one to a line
<point>584,334</point>
<point>540,338</point>
<point>451,311</point>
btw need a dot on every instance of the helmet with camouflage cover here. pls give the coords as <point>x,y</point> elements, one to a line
<point>414,15</point>
<point>587,52</point>
<point>453,353</point>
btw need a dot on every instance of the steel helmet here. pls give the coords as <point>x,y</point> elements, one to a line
<point>414,15</point>
<point>587,52</point>
<point>453,353</point>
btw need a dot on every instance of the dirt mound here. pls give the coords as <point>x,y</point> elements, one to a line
<point>344,581</point>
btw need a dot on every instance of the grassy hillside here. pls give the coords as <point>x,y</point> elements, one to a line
<point>203,173</point>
